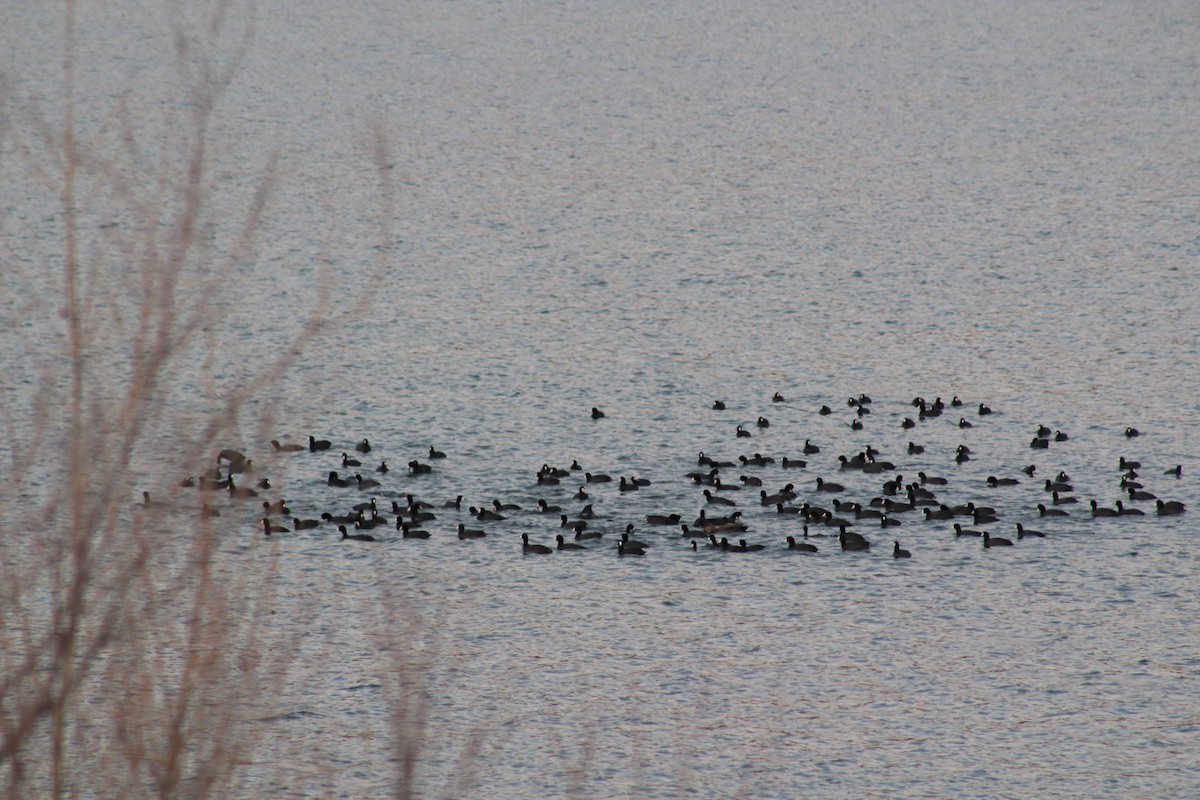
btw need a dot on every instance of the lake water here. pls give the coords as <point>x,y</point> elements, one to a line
<point>647,207</point>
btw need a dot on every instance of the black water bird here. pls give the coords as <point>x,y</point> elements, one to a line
<point>897,552</point>
<point>1169,508</point>
<point>315,444</point>
<point>470,533</point>
<point>358,537</point>
<point>803,547</point>
<point>995,541</point>
<point>526,547</point>
<point>1022,532</point>
<point>597,413</point>
<point>627,549</point>
<point>852,541</point>
<point>718,405</point>
<point>435,453</point>
<point>563,544</point>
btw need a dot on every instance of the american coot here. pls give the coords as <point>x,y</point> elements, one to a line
<point>995,541</point>
<point>1169,508</point>
<point>563,544</point>
<point>469,533</point>
<point>803,547</point>
<point>526,547</point>
<point>898,552</point>
<point>358,537</point>
<point>626,549</point>
<point>1022,532</point>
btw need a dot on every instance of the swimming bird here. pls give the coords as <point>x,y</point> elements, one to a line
<point>852,541</point>
<point>334,480</point>
<point>546,508</point>
<point>763,422</point>
<point>358,537</point>
<point>630,542</point>
<point>486,515</point>
<point>597,413</point>
<point>994,482</point>
<point>959,530</point>
<point>1132,432</point>
<point>1097,511</point>
<point>305,524</point>
<point>803,547</point>
<point>363,447</point>
<point>984,410</point>
<point>1051,512</point>
<point>599,477</point>
<point>897,552</point>
<point>417,468</point>
<point>829,486</point>
<point>526,547</point>
<point>1129,512</point>
<point>365,483</point>
<point>435,453</point>
<point>290,447</point>
<point>995,541</point>
<point>1169,508</point>
<point>563,544</point>
<point>235,491</point>
<point>718,405</point>
<point>409,532</point>
<point>347,461</point>
<point>382,468</point>
<point>315,444</point>
<point>626,549</point>
<point>716,499</point>
<point>1022,532</point>
<point>742,432</point>
<point>277,507</point>
<point>470,533</point>
<point>778,398</point>
<point>268,528</point>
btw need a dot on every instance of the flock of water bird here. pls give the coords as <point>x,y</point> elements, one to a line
<point>812,508</point>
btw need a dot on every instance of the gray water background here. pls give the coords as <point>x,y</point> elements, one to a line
<point>647,207</point>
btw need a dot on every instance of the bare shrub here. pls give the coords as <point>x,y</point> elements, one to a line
<point>132,638</point>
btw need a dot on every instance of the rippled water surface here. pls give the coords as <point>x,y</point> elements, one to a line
<point>649,207</point>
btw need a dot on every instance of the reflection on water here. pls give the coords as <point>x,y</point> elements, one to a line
<point>649,209</point>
